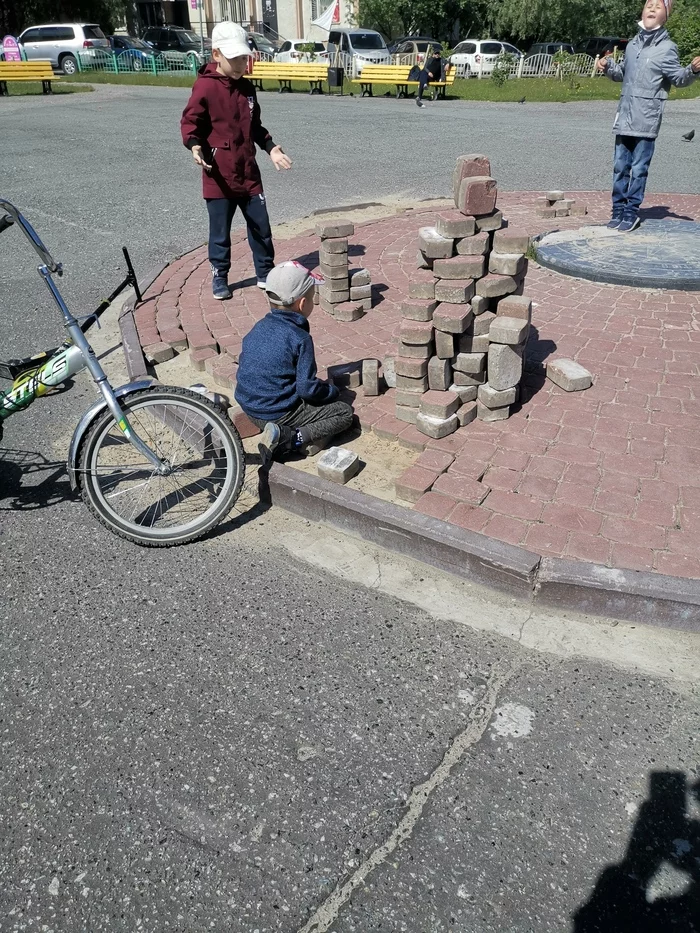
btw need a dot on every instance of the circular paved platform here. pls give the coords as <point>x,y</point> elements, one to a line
<point>658,254</point>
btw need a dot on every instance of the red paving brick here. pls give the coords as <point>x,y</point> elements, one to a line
<point>610,475</point>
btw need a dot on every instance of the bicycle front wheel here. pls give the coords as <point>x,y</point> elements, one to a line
<point>187,431</point>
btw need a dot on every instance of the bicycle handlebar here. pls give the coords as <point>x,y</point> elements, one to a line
<point>13,215</point>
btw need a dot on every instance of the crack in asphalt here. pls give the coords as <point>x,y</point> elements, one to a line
<point>327,913</point>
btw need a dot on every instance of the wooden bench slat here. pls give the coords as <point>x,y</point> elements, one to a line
<point>26,71</point>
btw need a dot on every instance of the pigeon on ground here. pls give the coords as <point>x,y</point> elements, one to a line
<point>522,100</point>
<point>688,137</point>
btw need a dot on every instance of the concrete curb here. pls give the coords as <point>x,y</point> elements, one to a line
<point>574,586</point>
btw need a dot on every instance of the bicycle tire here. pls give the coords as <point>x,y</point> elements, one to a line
<point>192,419</point>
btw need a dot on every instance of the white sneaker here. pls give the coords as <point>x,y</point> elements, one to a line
<point>262,283</point>
<point>269,439</point>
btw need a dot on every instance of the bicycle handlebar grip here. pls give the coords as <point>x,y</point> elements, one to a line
<point>5,222</point>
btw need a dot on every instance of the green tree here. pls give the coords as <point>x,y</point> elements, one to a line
<point>447,20</point>
<point>684,27</point>
<point>14,17</point>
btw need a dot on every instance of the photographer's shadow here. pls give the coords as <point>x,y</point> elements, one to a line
<point>656,887</point>
<point>29,481</point>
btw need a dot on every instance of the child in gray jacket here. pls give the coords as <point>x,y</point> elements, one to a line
<point>650,66</point>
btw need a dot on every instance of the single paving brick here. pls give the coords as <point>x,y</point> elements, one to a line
<point>475,246</point>
<point>348,375</point>
<point>334,229</point>
<point>469,343</point>
<point>158,352</point>
<point>496,286</point>
<point>454,224</point>
<point>334,244</point>
<point>479,304</point>
<point>467,379</point>
<point>441,405</point>
<point>515,306</point>
<point>437,427</point>
<point>490,221</point>
<point>497,398</point>
<point>414,483</point>
<point>438,461</point>
<point>472,363</point>
<point>199,357</point>
<point>370,377</point>
<point>511,240</point>
<point>338,465</point>
<point>415,369</point>
<point>554,195</point>
<point>466,393</point>
<point>333,260</point>
<point>432,245</point>
<point>389,372</point>
<point>461,488</point>
<point>358,292</point>
<point>409,398</point>
<point>477,195</point>
<point>417,310</point>
<point>444,345</point>
<point>439,374</point>
<point>416,332</point>
<point>416,351</point>
<point>506,263</point>
<point>424,290</point>
<point>359,277</point>
<point>569,375</point>
<point>511,330</point>
<point>466,414</point>
<point>491,414</point>
<point>482,324</point>
<point>406,413</point>
<point>460,267</point>
<point>452,318</point>
<point>411,382</point>
<point>505,366</point>
<point>455,291</point>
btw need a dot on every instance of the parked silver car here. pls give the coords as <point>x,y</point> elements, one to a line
<point>60,44</point>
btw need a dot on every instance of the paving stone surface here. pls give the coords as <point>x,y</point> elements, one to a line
<point>609,475</point>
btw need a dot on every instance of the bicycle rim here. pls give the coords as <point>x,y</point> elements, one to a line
<point>188,432</point>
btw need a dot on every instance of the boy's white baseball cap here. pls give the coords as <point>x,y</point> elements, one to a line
<point>230,39</point>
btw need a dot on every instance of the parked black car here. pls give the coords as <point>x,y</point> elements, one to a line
<point>601,45</point>
<point>395,43</point>
<point>174,39</point>
<point>550,48</point>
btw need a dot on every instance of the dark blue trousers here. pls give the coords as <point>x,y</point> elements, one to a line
<point>630,170</point>
<point>254,209</point>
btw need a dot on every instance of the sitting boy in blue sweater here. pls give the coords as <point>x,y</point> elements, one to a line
<point>277,384</point>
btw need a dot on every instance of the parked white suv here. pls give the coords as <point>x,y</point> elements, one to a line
<point>355,48</point>
<point>478,56</point>
<point>290,53</point>
<point>60,43</point>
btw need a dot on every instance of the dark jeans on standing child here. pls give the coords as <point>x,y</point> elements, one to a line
<point>313,421</point>
<point>423,82</point>
<point>631,168</point>
<point>221,211</point>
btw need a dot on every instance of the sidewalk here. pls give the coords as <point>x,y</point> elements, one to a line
<point>610,475</point>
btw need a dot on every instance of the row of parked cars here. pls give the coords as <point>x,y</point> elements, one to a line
<point>61,43</point>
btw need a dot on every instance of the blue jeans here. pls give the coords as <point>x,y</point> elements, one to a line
<point>221,211</point>
<point>630,170</point>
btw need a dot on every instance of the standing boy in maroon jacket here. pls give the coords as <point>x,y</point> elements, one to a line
<point>221,127</point>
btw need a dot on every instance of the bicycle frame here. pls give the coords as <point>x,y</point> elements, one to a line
<point>74,358</point>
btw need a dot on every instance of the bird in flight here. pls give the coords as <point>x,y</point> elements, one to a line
<point>688,137</point>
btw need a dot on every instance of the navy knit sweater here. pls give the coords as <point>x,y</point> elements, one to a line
<point>277,367</point>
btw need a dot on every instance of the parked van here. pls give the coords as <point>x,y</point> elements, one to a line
<point>357,47</point>
<point>60,44</point>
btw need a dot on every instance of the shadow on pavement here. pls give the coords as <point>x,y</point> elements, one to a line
<point>656,887</point>
<point>29,481</point>
<point>661,212</point>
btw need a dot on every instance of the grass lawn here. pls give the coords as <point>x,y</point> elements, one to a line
<point>24,88</point>
<point>534,90</point>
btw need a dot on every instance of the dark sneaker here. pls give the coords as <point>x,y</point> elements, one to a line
<point>628,225</point>
<point>220,288</point>
<point>614,223</point>
<point>269,439</point>
<point>419,102</point>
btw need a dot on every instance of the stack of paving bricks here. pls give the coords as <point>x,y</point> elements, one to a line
<point>556,204</point>
<point>346,293</point>
<point>464,328</point>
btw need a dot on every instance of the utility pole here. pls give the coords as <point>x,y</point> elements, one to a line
<point>201,29</point>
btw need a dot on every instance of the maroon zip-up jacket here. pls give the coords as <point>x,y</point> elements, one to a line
<point>223,117</point>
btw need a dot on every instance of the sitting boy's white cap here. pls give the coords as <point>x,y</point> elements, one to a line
<point>230,39</point>
<point>288,282</point>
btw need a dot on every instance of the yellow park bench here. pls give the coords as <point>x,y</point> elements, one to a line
<point>398,75</point>
<point>27,71</point>
<point>285,74</point>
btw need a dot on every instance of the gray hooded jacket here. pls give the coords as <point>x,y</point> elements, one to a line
<point>650,66</point>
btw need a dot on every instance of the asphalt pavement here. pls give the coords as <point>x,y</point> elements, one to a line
<point>228,737</point>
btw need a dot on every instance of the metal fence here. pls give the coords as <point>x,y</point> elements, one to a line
<point>532,66</point>
<point>130,61</point>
